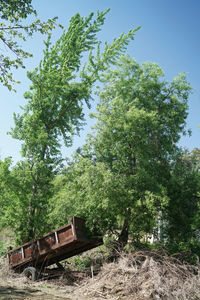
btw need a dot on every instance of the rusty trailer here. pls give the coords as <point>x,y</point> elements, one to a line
<point>35,256</point>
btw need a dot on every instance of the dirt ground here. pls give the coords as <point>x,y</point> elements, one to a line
<point>15,286</point>
<point>40,291</point>
<point>13,293</point>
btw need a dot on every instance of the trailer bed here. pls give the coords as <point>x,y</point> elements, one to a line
<point>53,247</point>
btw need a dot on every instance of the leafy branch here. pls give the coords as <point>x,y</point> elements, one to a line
<point>12,14</point>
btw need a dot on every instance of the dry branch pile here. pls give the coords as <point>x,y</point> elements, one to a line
<point>144,276</point>
<point>9,277</point>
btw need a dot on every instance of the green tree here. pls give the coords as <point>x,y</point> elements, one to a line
<point>13,28</point>
<point>140,119</point>
<point>182,228</point>
<point>61,86</point>
<point>90,191</point>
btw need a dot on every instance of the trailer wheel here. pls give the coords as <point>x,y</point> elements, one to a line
<point>31,273</point>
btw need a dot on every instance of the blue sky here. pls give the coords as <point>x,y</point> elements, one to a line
<point>169,36</point>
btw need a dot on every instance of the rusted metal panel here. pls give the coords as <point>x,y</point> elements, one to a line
<point>16,256</point>
<point>62,243</point>
<point>64,234</point>
<point>47,242</point>
<point>29,250</point>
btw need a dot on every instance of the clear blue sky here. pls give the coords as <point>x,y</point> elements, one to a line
<point>169,36</point>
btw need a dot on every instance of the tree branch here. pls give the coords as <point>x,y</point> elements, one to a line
<point>60,115</point>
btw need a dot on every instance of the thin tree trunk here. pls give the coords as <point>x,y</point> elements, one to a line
<point>123,237</point>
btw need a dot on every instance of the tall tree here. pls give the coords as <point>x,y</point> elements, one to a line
<point>140,119</point>
<point>54,113</point>
<point>13,28</point>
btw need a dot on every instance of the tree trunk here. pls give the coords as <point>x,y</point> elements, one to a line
<point>123,237</point>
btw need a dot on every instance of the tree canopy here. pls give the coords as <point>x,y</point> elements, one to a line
<point>121,175</point>
<point>130,179</point>
<point>54,113</point>
<point>13,28</point>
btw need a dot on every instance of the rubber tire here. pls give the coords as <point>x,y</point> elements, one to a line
<point>31,273</point>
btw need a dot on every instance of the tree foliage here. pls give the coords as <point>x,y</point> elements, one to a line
<point>182,213</point>
<point>90,191</point>
<point>126,163</point>
<point>61,85</point>
<point>13,28</point>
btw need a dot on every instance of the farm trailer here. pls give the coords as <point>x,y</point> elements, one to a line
<point>34,257</point>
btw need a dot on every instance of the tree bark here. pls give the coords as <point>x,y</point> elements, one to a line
<point>123,237</point>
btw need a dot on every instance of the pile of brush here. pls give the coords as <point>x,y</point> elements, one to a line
<point>143,276</point>
<point>5,272</point>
